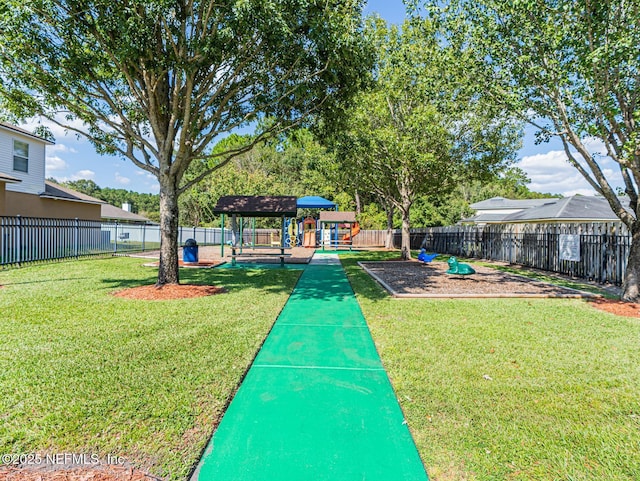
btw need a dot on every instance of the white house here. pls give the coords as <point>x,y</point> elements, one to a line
<point>23,189</point>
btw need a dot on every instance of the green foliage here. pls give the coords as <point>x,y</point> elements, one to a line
<point>158,82</point>
<point>568,67</point>
<point>422,129</point>
<point>293,163</point>
<point>147,205</point>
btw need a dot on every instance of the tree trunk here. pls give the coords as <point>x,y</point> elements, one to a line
<point>389,241</point>
<point>631,285</point>
<point>358,206</point>
<point>406,234</point>
<point>168,272</point>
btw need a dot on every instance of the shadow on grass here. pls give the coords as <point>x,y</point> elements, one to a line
<point>270,280</point>
<point>43,281</point>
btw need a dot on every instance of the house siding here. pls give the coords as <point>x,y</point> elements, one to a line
<point>29,205</point>
<point>32,181</point>
<point>2,198</point>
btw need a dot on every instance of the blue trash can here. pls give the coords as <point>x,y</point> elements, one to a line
<point>190,252</point>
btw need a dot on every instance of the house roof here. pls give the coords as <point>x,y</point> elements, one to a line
<point>580,208</point>
<point>58,192</point>
<point>315,202</point>
<point>331,216</point>
<point>13,128</point>
<point>257,206</point>
<point>485,218</point>
<point>8,179</point>
<point>500,203</point>
<point>111,212</point>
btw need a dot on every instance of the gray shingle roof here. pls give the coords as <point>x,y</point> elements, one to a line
<point>55,191</point>
<point>484,218</point>
<point>576,208</point>
<point>111,212</point>
<point>500,203</point>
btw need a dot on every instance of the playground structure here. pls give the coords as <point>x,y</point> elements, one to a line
<point>309,232</point>
<point>241,207</point>
<point>331,223</point>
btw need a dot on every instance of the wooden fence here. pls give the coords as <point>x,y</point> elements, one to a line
<point>597,252</point>
<point>370,238</point>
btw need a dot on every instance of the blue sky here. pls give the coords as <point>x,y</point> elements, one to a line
<point>72,158</point>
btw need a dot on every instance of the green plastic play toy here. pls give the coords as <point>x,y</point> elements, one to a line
<point>459,269</point>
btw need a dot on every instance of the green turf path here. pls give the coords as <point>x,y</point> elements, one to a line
<point>316,404</point>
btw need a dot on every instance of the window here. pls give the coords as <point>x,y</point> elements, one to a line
<point>20,156</point>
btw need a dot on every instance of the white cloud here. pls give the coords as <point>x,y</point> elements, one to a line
<point>153,188</point>
<point>551,172</point>
<point>58,131</point>
<point>55,163</point>
<point>84,174</point>
<point>61,148</point>
<point>146,175</point>
<point>595,145</point>
<point>120,179</point>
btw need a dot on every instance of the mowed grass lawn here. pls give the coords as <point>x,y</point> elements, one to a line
<point>82,371</point>
<point>511,389</point>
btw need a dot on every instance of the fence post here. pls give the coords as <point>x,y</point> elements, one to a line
<point>77,237</point>
<point>144,236</point>
<point>222,235</point>
<point>19,240</point>
<point>115,239</point>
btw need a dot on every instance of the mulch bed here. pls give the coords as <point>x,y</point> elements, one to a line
<point>619,308</point>
<point>97,473</point>
<point>414,279</point>
<point>168,292</point>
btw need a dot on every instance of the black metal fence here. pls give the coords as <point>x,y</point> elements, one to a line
<point>31,239</point>
<point>595,251</point>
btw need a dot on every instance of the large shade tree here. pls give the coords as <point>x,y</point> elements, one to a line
<point>422,128</point>
<point>157,81</point>
<point>572,69</point>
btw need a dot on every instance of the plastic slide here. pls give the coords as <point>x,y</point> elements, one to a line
<point>354,232</point>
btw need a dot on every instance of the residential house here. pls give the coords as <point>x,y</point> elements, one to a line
<point>574,209</point>
<point>111,213</point>
<point>23,189</point>
<point>496,209</point>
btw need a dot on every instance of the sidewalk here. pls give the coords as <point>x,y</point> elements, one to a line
<point>316,403</point>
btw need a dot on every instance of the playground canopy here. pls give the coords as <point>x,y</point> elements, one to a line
<point>315,202</point>
<point>335,217</point>
<point>257,206</point>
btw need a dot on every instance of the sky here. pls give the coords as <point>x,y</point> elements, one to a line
<point>72,158</point>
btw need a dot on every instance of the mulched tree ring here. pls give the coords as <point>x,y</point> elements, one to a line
<point>619,308</point>
<point>168,292</point>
